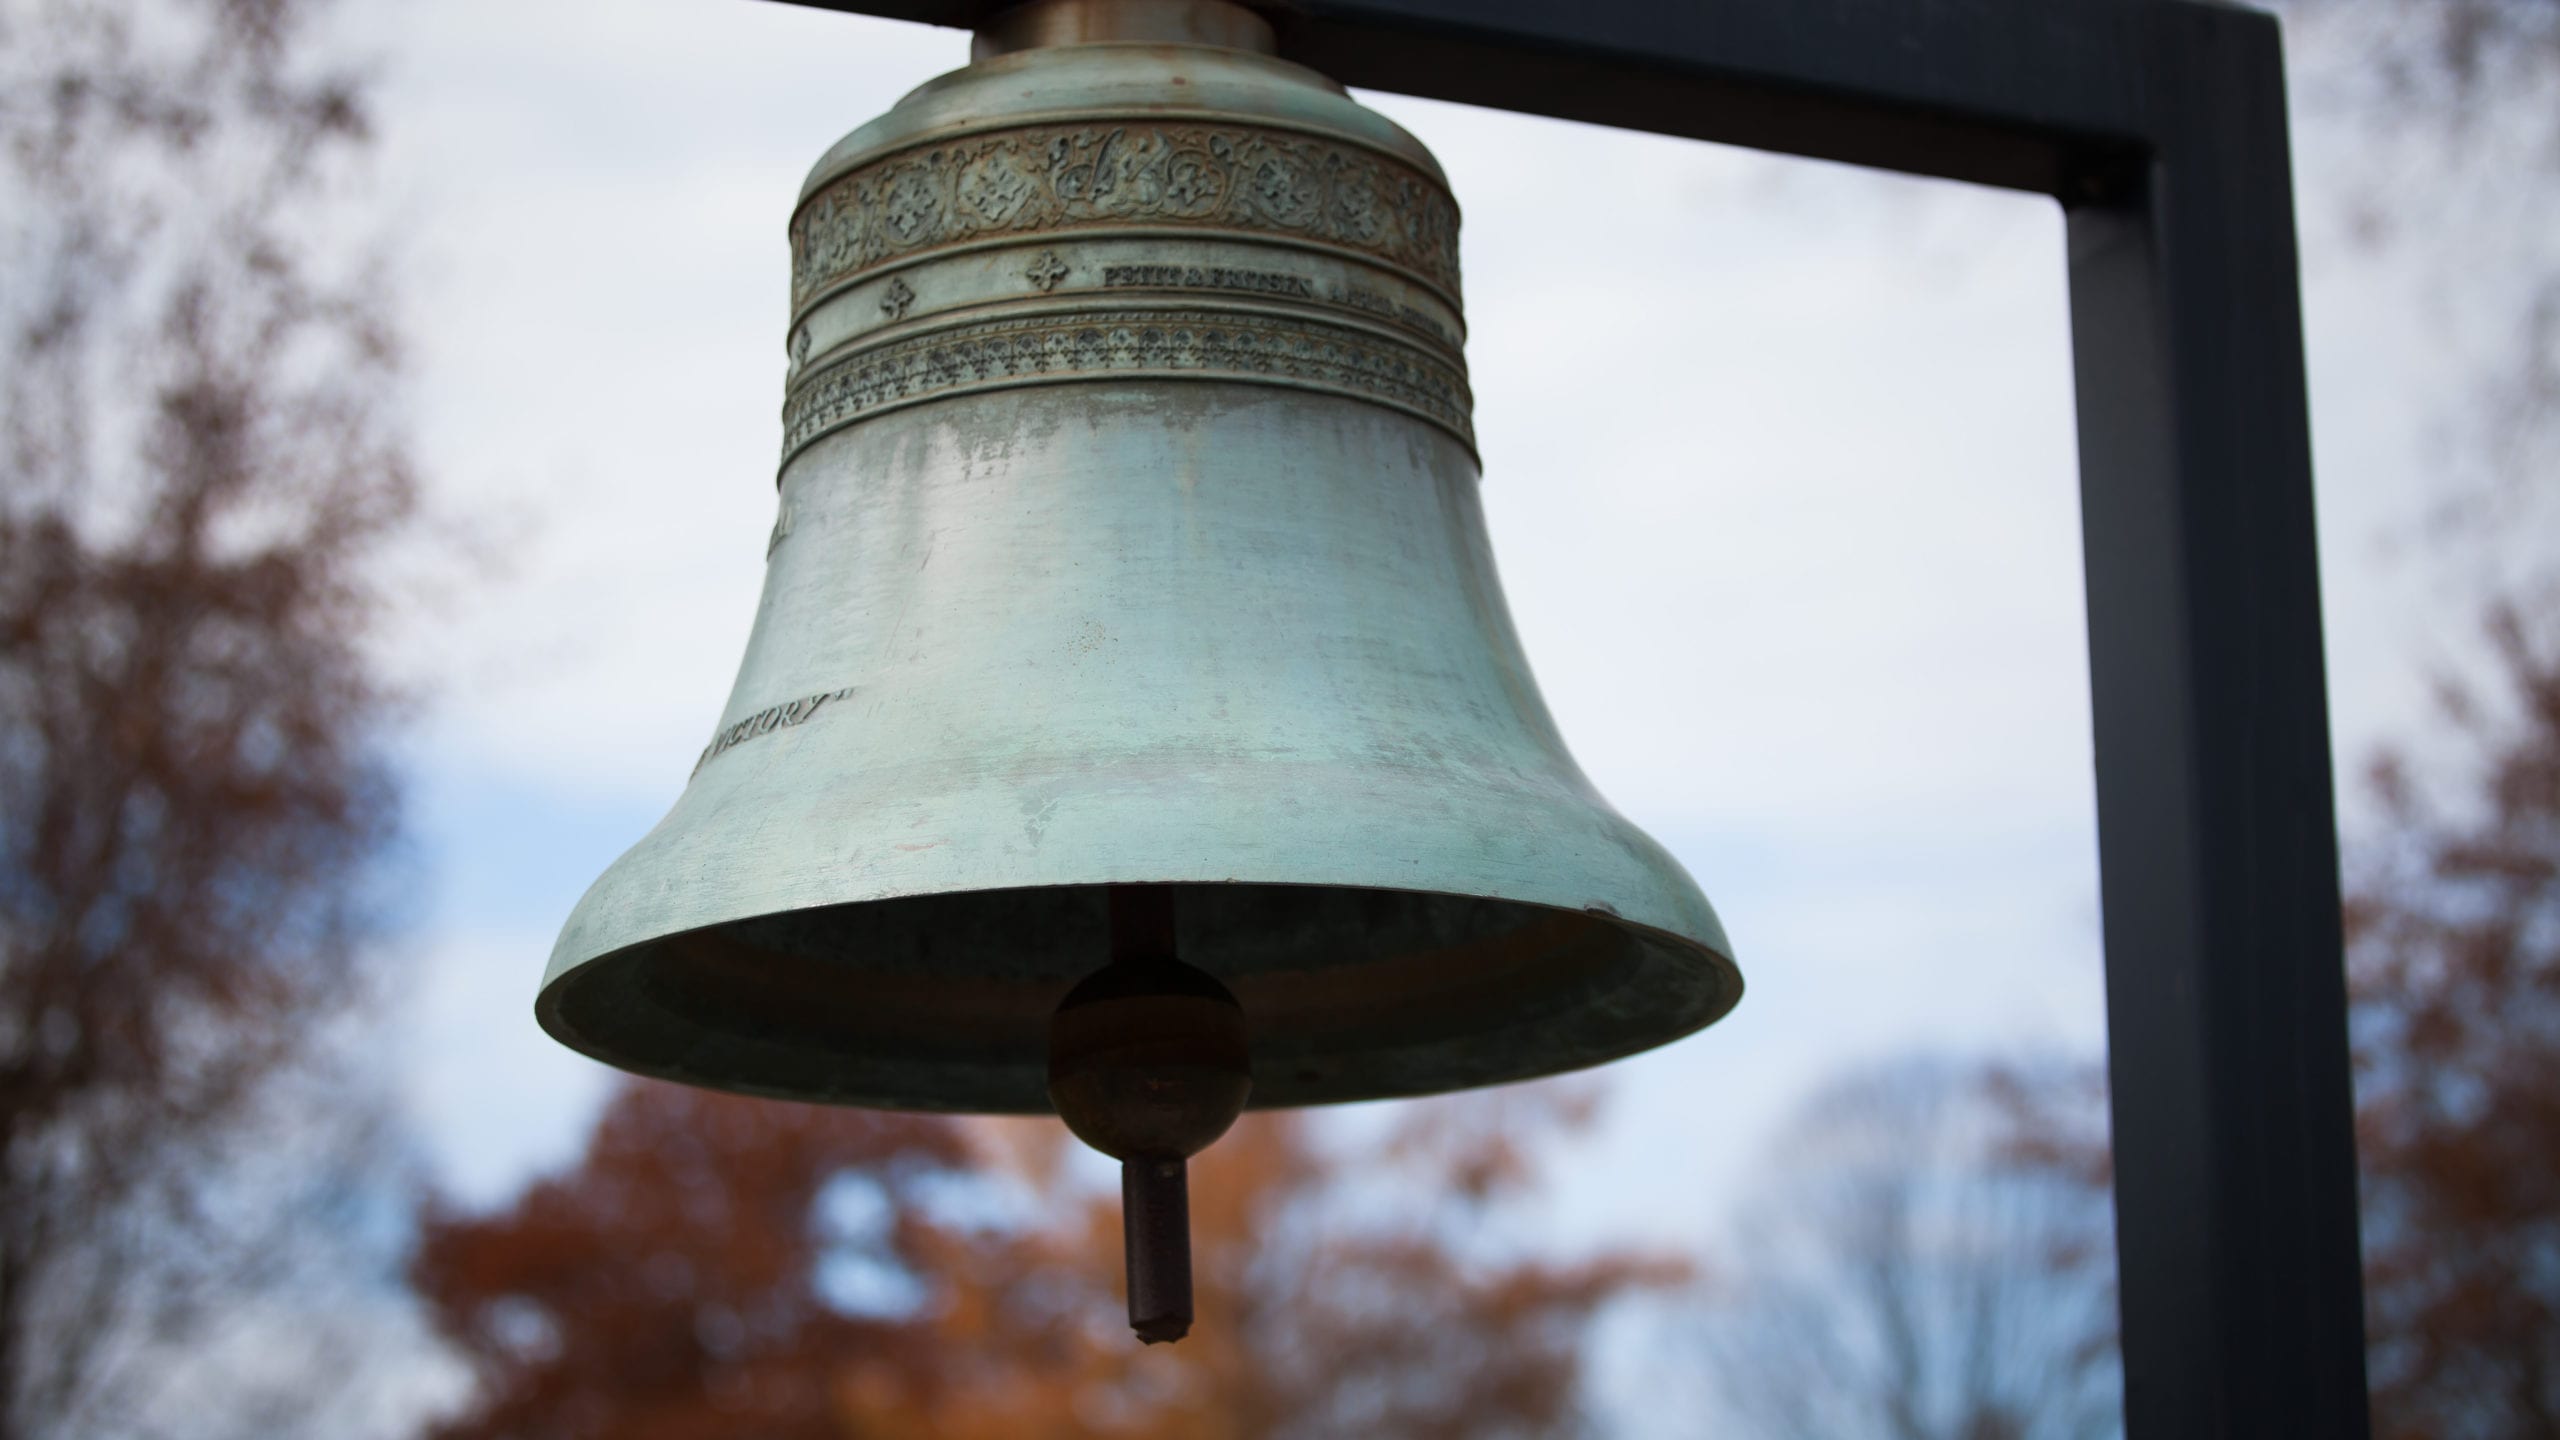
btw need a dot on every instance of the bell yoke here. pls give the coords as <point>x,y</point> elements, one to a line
<point>1133,725</point>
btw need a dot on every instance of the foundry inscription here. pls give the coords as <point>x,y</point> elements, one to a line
<point>765,722</point>
<point>1209,277</point>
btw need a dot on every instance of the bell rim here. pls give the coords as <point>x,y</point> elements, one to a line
<point>1716,961</point>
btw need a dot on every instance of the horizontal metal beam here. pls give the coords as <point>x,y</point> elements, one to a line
<point>2017,93</point>
<point>2026,94</point>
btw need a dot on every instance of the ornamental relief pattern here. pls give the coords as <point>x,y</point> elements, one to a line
<point>1063,177</point>
<point>1210,344</point>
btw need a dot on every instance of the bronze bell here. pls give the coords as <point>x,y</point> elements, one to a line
<point>1130,596</point>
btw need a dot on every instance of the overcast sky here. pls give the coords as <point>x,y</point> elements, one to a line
<point>1778,461</point>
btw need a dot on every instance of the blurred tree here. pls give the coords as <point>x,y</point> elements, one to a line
<point>673,1285</point>
<point>197,467</point>
<point>2453,976</point>
<point>1897,1276</point>
<point>2441,142</point>
<point>2453,904</point>
<point>719,1266</point>
<point>2453,961</point>
<point>2441,55</point>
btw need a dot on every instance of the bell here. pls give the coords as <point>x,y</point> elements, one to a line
<point>1130,597</point>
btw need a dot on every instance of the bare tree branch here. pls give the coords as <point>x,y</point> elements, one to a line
<point>1891,1278</point>
<point>200,462</point>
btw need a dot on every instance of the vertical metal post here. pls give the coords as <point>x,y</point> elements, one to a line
<point>2226,1009</point>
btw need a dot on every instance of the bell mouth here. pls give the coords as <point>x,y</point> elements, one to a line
<point>942,1002</point>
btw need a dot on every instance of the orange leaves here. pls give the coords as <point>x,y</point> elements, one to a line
<point>671,1281</point>
<point>669,1285</point>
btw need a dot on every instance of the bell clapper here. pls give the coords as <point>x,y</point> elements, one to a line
<point>1147,1064</point>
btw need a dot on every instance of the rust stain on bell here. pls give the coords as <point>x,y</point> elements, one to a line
<point>1151,344</point>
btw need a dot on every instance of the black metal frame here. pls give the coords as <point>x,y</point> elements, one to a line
<point>2160,126</point>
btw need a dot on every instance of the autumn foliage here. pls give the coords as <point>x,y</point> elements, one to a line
<point>670,1286</point>
<point>675,1283</point>
<point>2453,975</point>
<point>2454,970</point>
<point>200,471</point>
